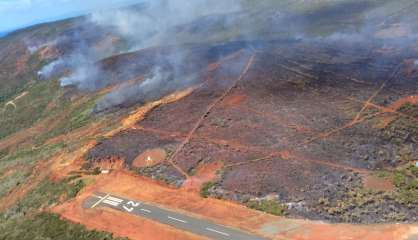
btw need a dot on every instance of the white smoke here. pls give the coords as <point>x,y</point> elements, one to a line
<point>50,69</point>
<point>85,72</point>
<point>145,90</point>
<point>141,27</point>
<point>153,25</point>
<point>157,22</point>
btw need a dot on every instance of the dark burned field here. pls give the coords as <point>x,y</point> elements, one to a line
<point>305,126</point>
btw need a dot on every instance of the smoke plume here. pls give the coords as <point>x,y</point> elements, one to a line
<point>178,23</point>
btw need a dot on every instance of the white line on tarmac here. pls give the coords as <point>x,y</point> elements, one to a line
<point>97,196</point>
<point>145,210</point>
<point>115,199</point>
<point>176,219</point>
<point>100,200</point>
<point>111,203</point>
<point>216,231</point>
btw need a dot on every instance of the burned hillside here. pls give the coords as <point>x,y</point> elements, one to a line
<point>306,123</point>
<point>308,110</point>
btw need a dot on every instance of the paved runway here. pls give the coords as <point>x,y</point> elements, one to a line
<point>197,226</point>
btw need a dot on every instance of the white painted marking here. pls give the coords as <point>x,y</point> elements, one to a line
<point>115,199</point>
<point>100,200</point>
<point>128,209</point>
<point>133,204</point>
<point>111,202</point>
<point>145,210</point>
<point>216,231</point>
<point>176,219</point>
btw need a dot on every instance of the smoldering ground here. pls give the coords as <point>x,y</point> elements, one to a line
<point>146,26</point>
<point>177,23</point>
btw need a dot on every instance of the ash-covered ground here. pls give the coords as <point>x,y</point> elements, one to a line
<point>305,126</point>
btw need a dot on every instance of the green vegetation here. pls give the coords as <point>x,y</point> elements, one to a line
<point>44,101</point>
<point>409,109</point>
<point>268,206</point>
<point>21,164</point>
<point>361,202</point>
<point>28,157</point>
<point>45,194</point>
<point>11,181</point>
<point>401,130</point>
<point>204,192</point>
<point>9,92</point>
<point>18,69</point>
<point>413,170</point>
<point>46,226</point>
<point>25,221</point>
<point>406,182</point>
<point>29,108</point>
<point>357,198</point>
<point>78,116</point>
<point>76,188</point>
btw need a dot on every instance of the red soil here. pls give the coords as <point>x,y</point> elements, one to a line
<point>21,63</point>
<point>394,108</point>
<point>204,174</point>
<point>120,224</point>
<point>223,212</point>
<point>48,52</point>
<point>376,183</point>
<point>41,170</point>
<point>206,113</point>
<point>234,100</point>
<point>399,103</point>
<point>150,158</point>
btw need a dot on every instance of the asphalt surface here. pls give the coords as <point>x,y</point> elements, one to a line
<point>197,226</point>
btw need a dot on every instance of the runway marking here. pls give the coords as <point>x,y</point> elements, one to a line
<point>145,210</point>
<point>115,199</point>
<point>100,200</point>
<point>216,231</point>
<point>176,219</point>
<point>163,216</point>
<point>111,202</point>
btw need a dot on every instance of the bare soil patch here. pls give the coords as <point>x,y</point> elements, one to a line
<point>378,183</point>
<point>150,158</point>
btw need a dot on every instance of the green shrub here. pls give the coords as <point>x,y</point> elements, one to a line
<point>268,206</point>
<point>48,226</point>
<point>96,171</point>
<point>75,188</point>
<point>204,191</point>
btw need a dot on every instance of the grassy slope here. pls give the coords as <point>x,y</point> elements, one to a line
<point>15,45</point>
<point>25,221</point>
<point>43,103</point>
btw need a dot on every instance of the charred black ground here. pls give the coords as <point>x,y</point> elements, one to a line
<point>306,124</point>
